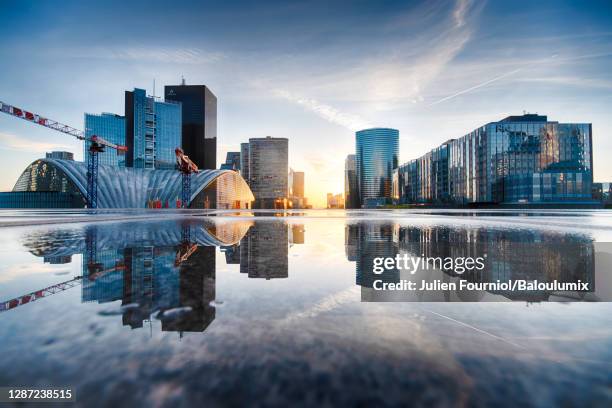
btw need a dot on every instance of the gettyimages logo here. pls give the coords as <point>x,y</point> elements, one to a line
<point>412,264</point>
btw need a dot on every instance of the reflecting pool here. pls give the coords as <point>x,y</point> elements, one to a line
<point>233,309</point>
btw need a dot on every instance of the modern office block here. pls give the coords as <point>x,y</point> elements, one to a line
<point>232,161</point>
<point>296,183</point>
<point>152,131</point>
<point>376,157</point>
<point>244,161</point>
<point>351,192</point>
<point>110,127</point>
<point>518,160</point>
<point>268,166</point>
<point>60,155</point>
<point>199,122</point>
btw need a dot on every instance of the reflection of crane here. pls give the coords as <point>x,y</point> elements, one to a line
<point>187,168</point>
<point>187,247</point>
<point>30,297</point>
<point>97,145</point>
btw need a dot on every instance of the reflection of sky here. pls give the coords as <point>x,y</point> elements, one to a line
<point>312,71</point>
<point>310,332</point>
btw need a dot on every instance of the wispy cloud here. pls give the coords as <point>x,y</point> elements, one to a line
<point>13,142</point>
<point>172,55</point>
<point>327,112</point>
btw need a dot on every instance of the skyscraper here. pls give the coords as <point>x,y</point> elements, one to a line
<point>376,157</point>
<point>199,122</point>
<point>268,166</point>
<point>59,155</point>
<point>351,193</point>
<point>152,131</point>
<point>110,127</point>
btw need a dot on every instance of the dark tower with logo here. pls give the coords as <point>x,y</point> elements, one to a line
<point>199,136</point>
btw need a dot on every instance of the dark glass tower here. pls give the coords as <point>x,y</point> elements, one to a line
<point>199,138</point>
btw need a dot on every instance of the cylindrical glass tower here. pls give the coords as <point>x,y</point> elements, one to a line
<point>376,156</point>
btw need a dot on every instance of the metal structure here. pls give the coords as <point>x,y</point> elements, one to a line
<point>97,145</point>
<point>187,168</point>
<point>30,297</point>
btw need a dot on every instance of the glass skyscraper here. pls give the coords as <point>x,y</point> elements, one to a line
<point>376,157</point>
<point>152,131</point>
<point>520,159</point>
<point>110,127</point>
<point>199,122</point>
<point>268,165</point>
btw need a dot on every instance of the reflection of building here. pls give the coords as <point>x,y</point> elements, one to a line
<point>267,171</point>
<point>351,194</point>
<point>232,161</point>
<point>376,157</point>
<point>199,122</point>
<point>133,188</point>
<point>166,270</point>
<point>508,255</point>
<point>264,251</point>
<point>152,131</point>
<point>59,155</point>
<point>366,241</point>
<point>335,200</point>
<point>520,159</point>
<point>110,127</point>
<point>296,234</point>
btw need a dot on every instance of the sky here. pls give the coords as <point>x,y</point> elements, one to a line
<point>311,71</point>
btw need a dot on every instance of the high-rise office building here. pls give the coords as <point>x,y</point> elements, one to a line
<point>59,155</point>
<point>199,122</point>
<point>520,159</point>
<point>152,131</point>
<point>232,161</point>
<point>268,168</point>
<point>110,127</point>
<point>351,193</point>
<point>376,156</point>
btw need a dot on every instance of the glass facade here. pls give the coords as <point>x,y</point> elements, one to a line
<point>133,188</point>
<point>521,159</point>
<point>110,127</point>
<point>199,122</point>
<point>376,157</point>
<point>153,131</point>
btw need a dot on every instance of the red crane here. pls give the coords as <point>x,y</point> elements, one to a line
<point>30,297</point>
<point>96,145</point>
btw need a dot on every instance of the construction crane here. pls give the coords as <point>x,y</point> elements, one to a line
<point>187,168</point>
<point>96,145</point>
<point>30,297</point>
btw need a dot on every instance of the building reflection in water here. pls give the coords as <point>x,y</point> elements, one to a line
<point>167,269</point>
<point>511,254</point>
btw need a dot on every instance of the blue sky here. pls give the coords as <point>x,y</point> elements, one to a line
<point>311,71</point>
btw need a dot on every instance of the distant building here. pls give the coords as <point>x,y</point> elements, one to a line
<point>110,127</point>
<point>60,155</point>
<point>232,161</point>
<point>351,192</point>
<point>199,122</point>
<point>602,192</point>
<point>376,157</point>
<point>268,164</point>
<point>244,161</point>
<point>335,200</point>
<point>296,189</point>
<point>517,160</point>
<point>152,131</point>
